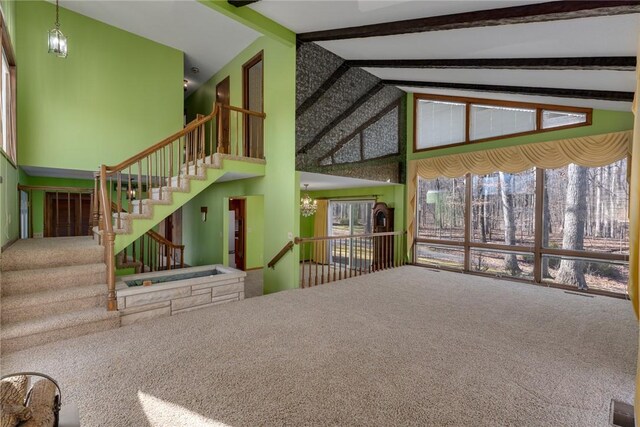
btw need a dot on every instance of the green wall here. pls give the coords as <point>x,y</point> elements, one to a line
<point>113,96</point>
<point>9,202</point>
<point>207,242</point>
<point>603,121</point>
<point>279,188</point>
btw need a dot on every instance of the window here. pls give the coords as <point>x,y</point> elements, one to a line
<point>555,119</point>
<point>440,123</point>
<point>7,101</point>
<point>567,227</point>
<point>443,121</point>
<point>348,218</point>
<point>489,120</point>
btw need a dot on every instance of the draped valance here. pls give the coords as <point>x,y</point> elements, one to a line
<point>591,151</point>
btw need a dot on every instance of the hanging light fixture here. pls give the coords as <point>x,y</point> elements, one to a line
<point>308,206</point>
<point>57,40</point>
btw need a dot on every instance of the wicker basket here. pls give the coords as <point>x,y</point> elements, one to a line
<point>57,402</point>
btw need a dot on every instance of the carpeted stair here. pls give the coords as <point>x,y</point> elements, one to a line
<point>52,289</point>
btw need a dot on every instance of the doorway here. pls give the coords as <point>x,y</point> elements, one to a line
<point>253,99</point>
<point>237,233</point>
<point>67,214</point>
<point>223,96</point>
<point>347,218</point>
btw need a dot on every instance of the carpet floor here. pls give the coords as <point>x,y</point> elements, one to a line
<point>404,347</point>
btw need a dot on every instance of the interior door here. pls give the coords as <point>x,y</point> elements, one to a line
<point>239,227</point>
<point>67,214</point>
<point>253,99</point>
<point>223,96</point>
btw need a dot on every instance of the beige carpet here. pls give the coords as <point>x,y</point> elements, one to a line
<point>400,347</point>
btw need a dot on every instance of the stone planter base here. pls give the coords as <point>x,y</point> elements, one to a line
<point>140,303</point>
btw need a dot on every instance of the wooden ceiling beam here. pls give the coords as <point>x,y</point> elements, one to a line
<point>539,12</point>
<point>605,95</point>
<point>335,122</point>
<point>615,63</point>
<point>240,3</point>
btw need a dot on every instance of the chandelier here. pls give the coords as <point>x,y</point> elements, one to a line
<point>57,40</point>
<point>308,206</point>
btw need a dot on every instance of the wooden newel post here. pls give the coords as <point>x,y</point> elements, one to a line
<point>109,240</point>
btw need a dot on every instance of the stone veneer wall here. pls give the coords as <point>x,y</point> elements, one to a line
<point>166,299</point>
<point>372,135</point>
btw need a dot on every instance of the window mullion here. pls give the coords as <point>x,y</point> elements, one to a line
<point>467,221</point>
<point>538,226</point>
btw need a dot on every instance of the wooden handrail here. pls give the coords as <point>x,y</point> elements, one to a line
<point>168,140</point>
<point>242,110</point>
<point>279,255</point>
<point>161,239</point>
<point>54,189</point>
<point>299,240</point>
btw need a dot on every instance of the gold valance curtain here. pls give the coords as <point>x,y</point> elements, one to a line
<point>591,151</point>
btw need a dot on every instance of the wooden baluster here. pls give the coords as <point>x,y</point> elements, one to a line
<point>315,260</point>
<point>332,252</point>
<point>55,227</point>
<point>139,192</point>
<point>182,257</point>
<point>220,132</point>
<point>119,197</point>
<point>309,262</point>
<point>129,191</point>
<point>168,256</point>
<point>171,152</point>
<point>68,213</point>
<point>302,264</point>
<point>370,251</point>
<point>238,134</point>
<point>187,149</point>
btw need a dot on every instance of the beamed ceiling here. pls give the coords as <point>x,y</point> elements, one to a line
<point>578,53</point>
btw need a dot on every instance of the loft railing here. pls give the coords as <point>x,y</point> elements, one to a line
<point>167,164</point>
<point>331,258</point>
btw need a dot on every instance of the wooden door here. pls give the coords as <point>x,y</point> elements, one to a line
<point>238,206</point>
<point>223,96</point>
<point>253,99</point>
<point>67,214</point>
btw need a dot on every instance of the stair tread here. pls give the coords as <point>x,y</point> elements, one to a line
<point>52,296</point>
<point>56,322</point>
<point>67,269</point>
<point>51,251</point>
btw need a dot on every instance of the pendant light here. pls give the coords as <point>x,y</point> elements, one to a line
<point>57,40</point>
<point>308,206</point>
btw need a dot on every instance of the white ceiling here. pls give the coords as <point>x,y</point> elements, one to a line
<point>303,16</point>
<point>318,181</point>
<point>208,39</point>
<point>596,36</point>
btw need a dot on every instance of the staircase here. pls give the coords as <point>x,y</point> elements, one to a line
<point>53,289</point>
<point>58,288</point>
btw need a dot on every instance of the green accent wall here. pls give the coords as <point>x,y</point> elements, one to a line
<point>603,121</point>
<point>9,202</point>
<point>113,96</point>
<point>207,242</point>
<point>278,189</point>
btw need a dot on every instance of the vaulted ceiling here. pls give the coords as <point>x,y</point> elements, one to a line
<point>565,53</point>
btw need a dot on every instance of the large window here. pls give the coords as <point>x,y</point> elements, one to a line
<point>443,121</point>
<point>7,101</point>
<point>566,226</point>
<point>346,218</point>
